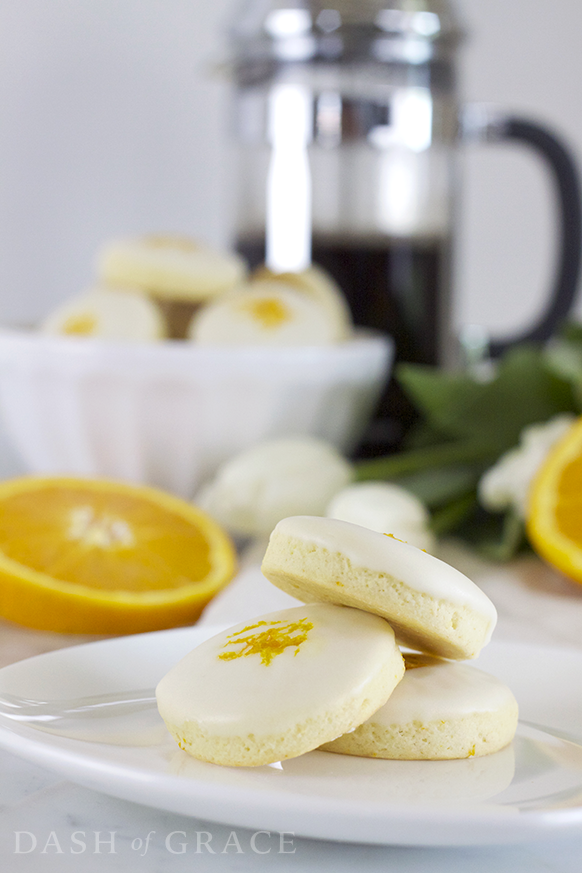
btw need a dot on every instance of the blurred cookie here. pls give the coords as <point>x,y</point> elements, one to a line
<point>170,267</point>
<point>107,314</point>
<point>387,508</point>
<point>439,710</point>
<point>280,685</point>
<point>266,313</point>
<point>431,606</point>
<point>320,286</point>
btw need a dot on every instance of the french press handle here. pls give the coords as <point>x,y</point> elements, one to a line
<point>481,124</point>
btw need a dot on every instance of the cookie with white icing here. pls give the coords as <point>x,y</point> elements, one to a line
<point>431,606</point>
<point>320,286</point>
<point>170,267</point>
<point>265,313</point>
<point>280,685</point>
<point>440,710</point>
<point>107,314</point>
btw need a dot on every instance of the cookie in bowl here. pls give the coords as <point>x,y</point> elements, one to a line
<point>317,284</point>
<point>107,314</point>
<point>266,314</point>
<point>178,272</point>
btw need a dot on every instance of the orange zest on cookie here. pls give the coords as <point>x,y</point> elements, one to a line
<point>392,537</point>
<point>398,540</point>
<point>273,640</point>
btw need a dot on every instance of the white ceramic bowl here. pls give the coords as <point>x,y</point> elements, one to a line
<point>169,413</point>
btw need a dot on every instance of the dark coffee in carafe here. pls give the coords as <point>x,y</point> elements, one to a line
<point>398,286</point>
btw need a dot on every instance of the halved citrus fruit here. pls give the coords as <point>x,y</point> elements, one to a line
<point>103,557</point>
<point>554,523</point>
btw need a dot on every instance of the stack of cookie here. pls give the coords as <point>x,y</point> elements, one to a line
<point>162,286</point>
<point>178,273</point>
<point>331,674</point>
<point>148,288</point>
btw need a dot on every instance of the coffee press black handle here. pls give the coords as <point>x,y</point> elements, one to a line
<point>481,125</point>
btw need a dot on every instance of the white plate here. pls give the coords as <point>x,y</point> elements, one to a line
<point>530,790</point>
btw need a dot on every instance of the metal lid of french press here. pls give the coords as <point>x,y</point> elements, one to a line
<point>287,31</point>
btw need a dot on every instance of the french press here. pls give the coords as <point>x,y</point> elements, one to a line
<point>348,123</point>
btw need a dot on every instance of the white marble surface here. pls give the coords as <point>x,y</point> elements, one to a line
<point>65,827</point>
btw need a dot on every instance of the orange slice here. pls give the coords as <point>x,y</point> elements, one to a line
<point>554,523</point>
<point>97,556</point>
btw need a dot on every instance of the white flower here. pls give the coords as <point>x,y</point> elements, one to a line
<point>387,508</point>
<point>506,485</point>
<point>273,480</point>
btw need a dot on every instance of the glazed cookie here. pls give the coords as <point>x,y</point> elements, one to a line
<point>317,284</point>
<point>107,314</point>
<point>431,606</point>
<point>170,267</point>
<point>266,313</point>
<point>439,710</point>
<point>280,685</point>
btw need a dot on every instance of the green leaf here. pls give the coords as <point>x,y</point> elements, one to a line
<point>510,539</point>
<point>466,424</point>
<point>496,536</point>
<point>523,390</point>
<point>441,485</point>
<point>571,332</point>
<point>437,456</point>
<point>448,518</point>
<point>564,359</point>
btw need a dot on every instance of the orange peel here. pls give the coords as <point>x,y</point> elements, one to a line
<point>554,517</point>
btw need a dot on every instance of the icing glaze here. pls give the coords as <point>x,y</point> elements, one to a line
<point>170,266</point>
<point>442,690</point>
<point>266,313</point>
<point>286,667</point>
<point>384,554</point>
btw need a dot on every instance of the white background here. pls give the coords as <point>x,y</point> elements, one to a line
<point>112,121</point>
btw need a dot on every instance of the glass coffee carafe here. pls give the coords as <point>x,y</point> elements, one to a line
<point>347,124</point>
